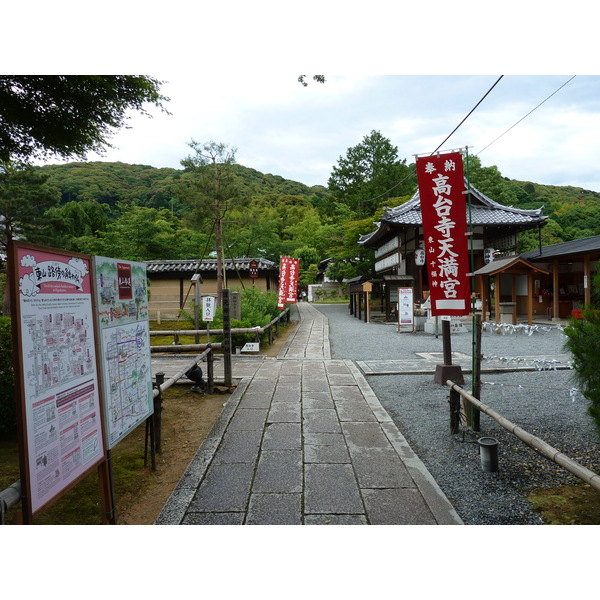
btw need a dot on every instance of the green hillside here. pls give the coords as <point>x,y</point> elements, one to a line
<point>142,212</point>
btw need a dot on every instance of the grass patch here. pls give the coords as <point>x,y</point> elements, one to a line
<point>81,504</point>
<point>567,505</point>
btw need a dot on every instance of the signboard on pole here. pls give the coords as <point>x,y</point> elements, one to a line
<point>406,308</point>
<point>59,403</point>
<point>288,281</point>
<point>444,213</point>
<point>253,268</point>
<point>124,343</point>
<point>209,306</point>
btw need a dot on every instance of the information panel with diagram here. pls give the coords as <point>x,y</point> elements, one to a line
<point>61,404</point>
<point>122,313</point>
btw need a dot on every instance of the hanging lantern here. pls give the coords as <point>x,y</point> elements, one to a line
<point>420,257</point>
<point>488,255</point>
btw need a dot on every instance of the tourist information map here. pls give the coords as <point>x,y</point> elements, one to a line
<point>58,379</point>
<point>122,313</point>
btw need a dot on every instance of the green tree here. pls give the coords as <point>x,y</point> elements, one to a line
<point>141,234</point>
<point>68,115</point>
<point>350,260</point>
<point>213,191</point>
<point>370,173</point>
<point>8,417</point>
<point>76,219</point>
<point>25,196</point>
<point>583,341</point>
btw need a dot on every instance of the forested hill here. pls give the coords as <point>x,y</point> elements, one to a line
<point>141,212</point>
<point>142,185</point>
<point>574,212</point>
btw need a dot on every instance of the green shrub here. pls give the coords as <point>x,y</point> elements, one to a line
<point>8,419</point>
<point>583,341</point>
<point>258,309</point>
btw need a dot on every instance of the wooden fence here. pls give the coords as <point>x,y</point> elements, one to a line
<point>531,440</point>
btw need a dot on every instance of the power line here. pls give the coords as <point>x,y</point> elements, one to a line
<point>447,138</point>
<point>542,102</point>
<point>470,113</point>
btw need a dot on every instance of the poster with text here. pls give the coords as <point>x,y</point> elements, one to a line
<point>61,404</point>
<point>405,307</point>
<point>121,289</point>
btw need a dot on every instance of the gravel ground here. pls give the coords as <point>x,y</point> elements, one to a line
<point>541,402</point>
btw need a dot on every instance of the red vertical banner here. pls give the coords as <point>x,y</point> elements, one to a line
<point>444,213</point>
<point>288,281</point>
<point>284,280</point>
<point>292,288</point>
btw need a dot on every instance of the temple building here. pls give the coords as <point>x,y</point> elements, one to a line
<point>400,258</point>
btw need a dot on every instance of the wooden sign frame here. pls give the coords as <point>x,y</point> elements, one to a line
<point>59,397</point>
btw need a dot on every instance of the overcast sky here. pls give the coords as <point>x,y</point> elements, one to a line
<point>231,72</point>
<point>280,127</point>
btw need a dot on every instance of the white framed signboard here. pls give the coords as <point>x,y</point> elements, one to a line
<point>124,345</point>
<point>209,307</point>
<point>60,410</point>
<point>406,308</point>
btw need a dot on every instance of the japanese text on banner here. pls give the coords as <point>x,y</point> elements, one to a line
<point>288,281</point>
<point>443,209</point>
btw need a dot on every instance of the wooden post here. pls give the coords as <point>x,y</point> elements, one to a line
<point>587,278</point>
<point>107,491</point>
<point>210,372</point>
<point>530,299</point>
<point>226,298</point>
<point>555,291</point>
<point>157,416</point>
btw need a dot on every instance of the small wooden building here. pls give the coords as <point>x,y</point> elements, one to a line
<point>171,287</point>
<point>568,286</point>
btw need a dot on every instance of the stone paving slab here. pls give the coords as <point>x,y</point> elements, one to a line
<point>304,440</point>
<point>340,464</point>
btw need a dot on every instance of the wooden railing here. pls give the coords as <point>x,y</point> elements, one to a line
<point>538,444</point>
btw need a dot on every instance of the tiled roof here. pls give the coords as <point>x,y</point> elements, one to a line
<point>484,212</point>
<point>581,246</point>
<point>208,264</point>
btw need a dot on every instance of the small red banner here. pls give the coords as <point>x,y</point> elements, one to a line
<point>288,280</point>
<point>124,281</point>
<point>444,213</point>
<point>254,269</point>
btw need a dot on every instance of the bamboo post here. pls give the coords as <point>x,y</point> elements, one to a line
<point>476,414</point>
<point>454,401</point>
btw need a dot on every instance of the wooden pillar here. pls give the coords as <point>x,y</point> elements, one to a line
<point>484,296</point>
<point>497,298</point>
<point>555,286</point>
<point>513,298</point>
<point>367,316</point>
<point>529,299</point>
<point>587,278</point>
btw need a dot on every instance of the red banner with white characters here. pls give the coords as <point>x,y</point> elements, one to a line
<point>288,280</point>
<point>444,213</point>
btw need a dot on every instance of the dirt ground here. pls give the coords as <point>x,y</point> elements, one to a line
<point>187,418</point>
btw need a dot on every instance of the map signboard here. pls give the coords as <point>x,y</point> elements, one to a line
<point>60,410</point>
<point>124,340</point>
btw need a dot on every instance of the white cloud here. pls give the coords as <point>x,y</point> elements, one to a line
<point>281,127</point>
